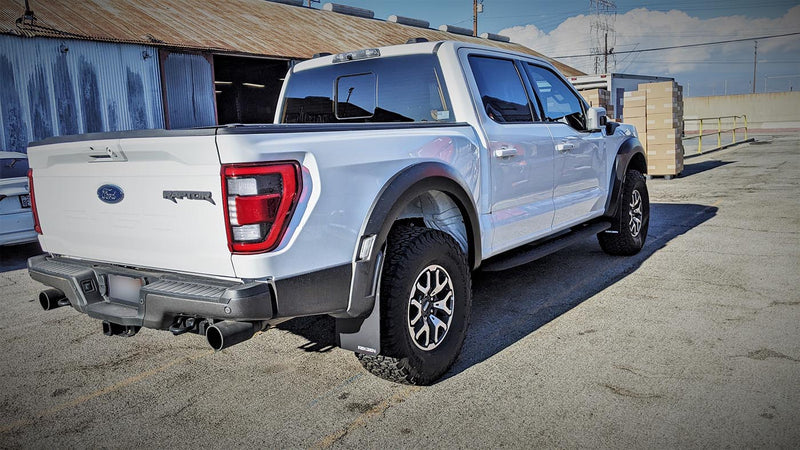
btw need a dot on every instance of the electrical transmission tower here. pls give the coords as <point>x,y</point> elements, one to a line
<point>601,28</point>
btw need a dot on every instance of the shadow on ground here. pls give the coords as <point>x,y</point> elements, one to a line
<point>15,257</point>
<point>690,169</point>
<point>509,305</point>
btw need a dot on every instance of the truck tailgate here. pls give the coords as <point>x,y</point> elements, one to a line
<point>151,202</point>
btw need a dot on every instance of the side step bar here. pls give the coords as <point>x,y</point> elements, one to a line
<point>534,251</point>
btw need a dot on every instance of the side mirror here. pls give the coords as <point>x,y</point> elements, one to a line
<point>596,118</point>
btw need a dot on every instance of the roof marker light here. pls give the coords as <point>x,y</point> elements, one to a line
<point>358,54</point>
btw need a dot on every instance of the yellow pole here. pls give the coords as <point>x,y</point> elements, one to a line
<point>734,129</point>
<point>700,139</point>
<point>719,132</point>
<point>745,127</point>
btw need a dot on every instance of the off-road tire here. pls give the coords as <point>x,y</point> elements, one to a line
<point>630,238</point>
<point>411,251</point>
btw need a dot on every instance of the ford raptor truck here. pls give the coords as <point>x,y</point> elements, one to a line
<point>389,176</point>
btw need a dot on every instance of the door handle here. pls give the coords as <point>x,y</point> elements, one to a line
<point>506,152</point>
<point>107,155</point>
<point>565,147</point>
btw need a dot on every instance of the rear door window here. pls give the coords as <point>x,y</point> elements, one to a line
<point>501,90</point>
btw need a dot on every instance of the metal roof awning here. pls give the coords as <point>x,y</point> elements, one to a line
<point>247,27</point>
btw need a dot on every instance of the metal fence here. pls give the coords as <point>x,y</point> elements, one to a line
<point>713,133</point>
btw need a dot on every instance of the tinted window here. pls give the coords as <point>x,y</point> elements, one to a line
<point>501,89</point>
<point>399,89</point>
<point>356,96</point>
<point>557,99</point>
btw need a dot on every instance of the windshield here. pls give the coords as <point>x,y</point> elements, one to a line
<point>398,89</point>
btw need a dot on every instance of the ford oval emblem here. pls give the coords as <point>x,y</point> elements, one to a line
<point>109,193</point>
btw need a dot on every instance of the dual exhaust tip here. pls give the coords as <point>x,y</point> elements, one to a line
<point>220,335</point>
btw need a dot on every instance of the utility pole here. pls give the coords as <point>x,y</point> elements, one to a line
<point>603,13</point>
<point>474,17</point>
<point>755,63</point>
<point>476,8</point>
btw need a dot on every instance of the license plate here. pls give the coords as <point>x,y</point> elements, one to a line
<point>25,200</point>
<point>124,288</point>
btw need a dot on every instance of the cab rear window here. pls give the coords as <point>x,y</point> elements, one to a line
<point>397,89</point>
<point>356,96</point>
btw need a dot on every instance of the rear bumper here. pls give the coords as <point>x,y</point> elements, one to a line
<point>162,298</point>
<point>17,228</point>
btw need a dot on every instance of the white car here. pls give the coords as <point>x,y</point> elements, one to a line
<point>16,217</point>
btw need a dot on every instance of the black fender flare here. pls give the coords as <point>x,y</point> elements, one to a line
<point>630,155</point>
<point>361,333</point>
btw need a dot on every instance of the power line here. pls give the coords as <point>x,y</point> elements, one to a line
<point>700,61</point>
<point>693,33</point>
<point>671,47</point>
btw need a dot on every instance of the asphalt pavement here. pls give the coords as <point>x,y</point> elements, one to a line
<point>695,342</point>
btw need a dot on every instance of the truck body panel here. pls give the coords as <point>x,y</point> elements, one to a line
<point>142,229</point>
<point>341,184</point>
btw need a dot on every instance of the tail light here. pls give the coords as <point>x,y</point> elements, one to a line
<point>36,225</point>
<point>260,201</point>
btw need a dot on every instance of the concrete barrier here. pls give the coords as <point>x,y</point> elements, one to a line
<point>765,112</point>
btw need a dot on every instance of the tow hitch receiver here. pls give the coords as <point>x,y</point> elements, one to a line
<point>115,329</point>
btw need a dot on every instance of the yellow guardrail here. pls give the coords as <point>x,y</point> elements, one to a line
<point>719,131</point>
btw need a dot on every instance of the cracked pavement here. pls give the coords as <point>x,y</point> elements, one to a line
<point>695,342</point>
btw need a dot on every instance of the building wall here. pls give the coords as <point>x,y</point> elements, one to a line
<point>53,87</point>
<point>189,85</point>
<point>771,111</point>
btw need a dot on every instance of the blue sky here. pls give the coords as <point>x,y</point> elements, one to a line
<point>562,28</point>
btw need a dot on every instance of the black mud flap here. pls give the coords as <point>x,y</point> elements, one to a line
<point>361,335</point>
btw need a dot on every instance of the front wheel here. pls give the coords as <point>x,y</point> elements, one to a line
<point>425,303</point>
<point>632,218</point>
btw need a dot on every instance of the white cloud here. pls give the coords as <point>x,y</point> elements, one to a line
<point>642,28</point>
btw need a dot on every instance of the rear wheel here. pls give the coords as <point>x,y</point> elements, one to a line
<point>425,302</point>
<point>632,218</point>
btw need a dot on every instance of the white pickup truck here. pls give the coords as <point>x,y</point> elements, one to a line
<point>390,175</point>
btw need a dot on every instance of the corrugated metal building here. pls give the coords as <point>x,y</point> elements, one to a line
<point>70,67</point>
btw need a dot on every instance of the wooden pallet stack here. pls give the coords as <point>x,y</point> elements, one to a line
<point>656,110</point>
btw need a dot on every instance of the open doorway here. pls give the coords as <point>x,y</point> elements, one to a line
<point>247,89</point>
